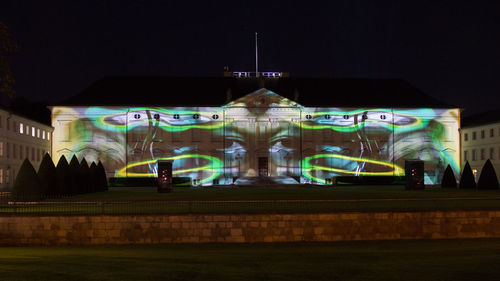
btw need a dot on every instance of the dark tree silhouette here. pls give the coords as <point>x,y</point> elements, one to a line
<point>6,46</point>
<point>449,179</point>
<point>84,177</point>
<point>488,178</point>
<point>467,178</point>
<point>103,181</point>
<point>93,178</point>
<point>47,174</point>
<point>63,177</point>
<point>27,185</point>
<point>74,174</point>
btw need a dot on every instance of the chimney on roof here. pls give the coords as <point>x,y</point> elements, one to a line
<point>229,95</point>
<point>296,95</point>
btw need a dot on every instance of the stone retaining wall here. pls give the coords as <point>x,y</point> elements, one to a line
<point>241,228</point>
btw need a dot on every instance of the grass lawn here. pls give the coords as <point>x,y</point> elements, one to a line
<point>368,260</point>
<point>145,200</point>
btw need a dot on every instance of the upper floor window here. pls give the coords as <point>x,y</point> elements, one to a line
<point>466,156</point>
<point>21,128</point>
<point>32,131</point>
<point>482,134</point>
<point>43,134</point>
<point>473,135</point>
<point>466,137</point>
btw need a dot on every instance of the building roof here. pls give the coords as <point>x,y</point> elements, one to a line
<point>483,118</point>
<point>218,91</point>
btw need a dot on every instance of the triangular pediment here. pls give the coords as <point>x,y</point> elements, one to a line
<point>263,98</point>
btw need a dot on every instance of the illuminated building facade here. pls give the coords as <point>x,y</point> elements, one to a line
<point>260,128</point>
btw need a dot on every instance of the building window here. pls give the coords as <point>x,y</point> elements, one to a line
<point>8,124</point>
<point>32,131</point>
<point>38,154</point>
<point>482,134</point>
<point>14,155</point>
<point>482,154</point>
<point>27,130</point>
<point>465,155</point>
<point>48,135</point>
<point>473,135</point>
<point>1,176</point>
<point>0,121</point>
<point>8,149</point>
<point>14,128</point>
<point>21,128</point>
<point>492,133</point>
<point>32,154</point>
<point>466,137</point>
<point>1,149</point>
<point>492,153</point>
<point>21,152</point>
<point>27,152</point>
<point>43,134</point>
<point>38,133</point>
<point>474,156</point>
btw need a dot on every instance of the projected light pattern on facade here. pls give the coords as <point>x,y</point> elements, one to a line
<point>261,134</point>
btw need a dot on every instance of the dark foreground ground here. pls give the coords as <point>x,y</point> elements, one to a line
<point>381,260</point>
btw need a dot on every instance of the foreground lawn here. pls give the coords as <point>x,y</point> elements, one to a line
<point>381,260</point>
<point>276,199</point>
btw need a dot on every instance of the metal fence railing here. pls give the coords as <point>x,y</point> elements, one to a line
<point>137,207</point>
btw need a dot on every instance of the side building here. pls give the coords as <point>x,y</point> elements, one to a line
<point>481,141</point>
<point>289,130</point>
<point>20,138</point>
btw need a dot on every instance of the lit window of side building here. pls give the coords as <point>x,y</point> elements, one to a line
<point>14,140</point>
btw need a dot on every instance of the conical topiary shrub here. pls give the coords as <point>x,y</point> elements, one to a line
<point>26,186</point>
<point>94,175</point>
<point>467,178</point>
<point>63,177</point>
<point>84,176</point>
<point>74,174</point>
<point>47,175</point>
<point>449,178</point>
<point>102,179</point>
<point>488,178</point>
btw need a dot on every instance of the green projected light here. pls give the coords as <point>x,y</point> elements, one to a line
<point>308,167</point>
<point>214,166</point>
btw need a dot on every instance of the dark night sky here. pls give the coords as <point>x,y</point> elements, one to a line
<point>449,49</point>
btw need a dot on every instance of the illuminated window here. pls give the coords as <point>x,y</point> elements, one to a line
<point>482,154</point>
<point>492,153</point>
<point>482,134</point>
<point>466,137</point>
<point>466,158</point>
<point>32,131</point>
<point>21,128</point>
<point>492,133</point>
<point>474,156</point>
<point>48,135</point>
<point>473,135</point>
<point>27,130</point>
<point>43,134</point>
<point>38,133</point>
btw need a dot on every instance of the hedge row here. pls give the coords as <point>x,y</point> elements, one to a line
<point>487,180</point>
<point>63,180</point>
